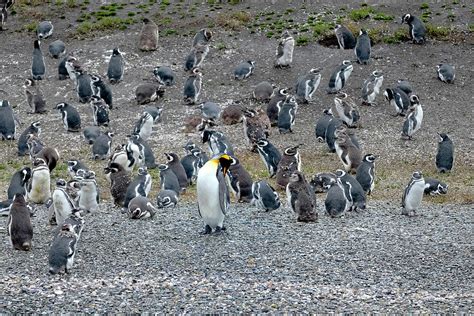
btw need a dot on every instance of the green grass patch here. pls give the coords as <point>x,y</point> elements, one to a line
<point>361,14</point>
<point>322,28</point>
<point>380,16</point>
<point>233,21</point>
<point>424,6</point>
<point>441,33</point>
<point>302,40</point>
<point>104,24</point>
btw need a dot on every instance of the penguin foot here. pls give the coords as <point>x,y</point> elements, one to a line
<point>219,230</point>
<point>207,230</point>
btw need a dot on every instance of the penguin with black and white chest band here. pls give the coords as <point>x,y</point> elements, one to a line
<point>164,75</point>
<point>435,187</point>
<point>38,68</point>
<point>284,52</point>
<point>167,198</point>
<point>348,153</point>
<point>445,155</point>
<point>244,70</point>
<point>371,88</point>
<point>168,179</point>
<point>355,189</point>
<point>301,198</point>
<point>416,27</point>
<point>322,125</point>
<point>192,87</point>
<point>71,64</point>
<point>33,129</point>
<point>174,163</point>
<point>270,155</point>
<point>70,117</point>
<point>140,186</point>
<point>413,194</point>
<point>83,85</point>
<point>44,30</point>
<point>338,199</point>
<point>196,57</point>
<point>140,207</point>
<point>19,225</point>
<point>274,105</point>
<point>398,99</point>
<point>144,126</point>
<point>322,182</point>
<point>155,112</point>
<point>339,77</point>
<point>290,161</point>
<point>115,68</point>
<point>101,146</point>
<point>212,193</point>
<point>57,49</point>
<point>202,37</point>
<point>34,97</point>
<point>63,250</point>
<point>287,115</point>
<point>62,203</point>
<point>264,196</point>
<point>146,153</point>
<point>119,182</point>
<point>240,181</point>
<point>414,118</point>
<point>346,109</point>
<point>446,73</point>
<point>217,142</point>
<point>345,38</point>
<point>306,85</point>
<point>19,182</point>
<point>89,197</point>
<point>74,165</point>
<point>365,173</point>
<point>76,221</point>
<point>102,90</point>
<point>100,111</point>
<point>363,47</point>
<point>7,121</point>
<point>39,186</point>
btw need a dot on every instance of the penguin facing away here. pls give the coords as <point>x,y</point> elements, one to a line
<point>19,182</point>
<point>164,75</point>
<point>338,199</point>
<point>34,97</point>
<point>101,146</point>
<point>284,52</point>
<point>44,30</point>
<point>263,91</point>
<point>192,87</point>
<point>19,225</point>
<point>63,250</point>
<point>115,68</point>
<point>7,121</point>
<point>300,198</point>
<point>57,49</point>
<point>322,125</point>
<point>120,180</point>
<point>38,68</point>
<point>445,154</point>
<point>265,196</point>
<point>363,47</point>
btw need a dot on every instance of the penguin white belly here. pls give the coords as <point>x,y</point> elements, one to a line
<point>419,119</point>
<point>208,199</point>
<point>62,208</point>
<point>288,196</point>
<point>87,199</point>
<point>414,197</point>
<point>40,184</point>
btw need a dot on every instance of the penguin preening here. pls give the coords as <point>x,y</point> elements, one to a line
<point>445,155</point>
<point>102,90</point>
<point>100,111</point>
<point>73,167</point>
<point>274,105</point>
<point>416,28</point>
<point>144,126</point>
<point>322,125</point>
<point>322,182</point>
<point>148,92</point>
<point>140,186</point>
<point>202,37</point>
<point>212,192</point>
<point>346,109</point>
<point>413,194</point>
<point>256,126</point>
<point>340,76</point>
<point>284,52</point>
<point>19,182</point>
<point>19,225</point>
<point>34,97</point>
<point>196,57</point>
<point>91,133</point>
<point>371,87</point>
<point>102,145</point>
<point>398,99</point>
<point>348,153</point>
<point>167,198</point>
<point>414,118</point>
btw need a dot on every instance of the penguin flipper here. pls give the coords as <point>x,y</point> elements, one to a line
<point>224,198</point>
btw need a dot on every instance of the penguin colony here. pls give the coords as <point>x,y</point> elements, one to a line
<point>126,166</point>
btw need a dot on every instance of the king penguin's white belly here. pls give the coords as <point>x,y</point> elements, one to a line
<point>208,197</point>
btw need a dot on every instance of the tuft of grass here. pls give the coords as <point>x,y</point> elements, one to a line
<point>30,27</point>
<point>361,14</point>
<point>302,40</point>
<point>400,35</point>
<point>269,34</point>
<point>104,24</point>
<point>424,6</point>
<point>441,33</point>
<point>380,16</point>
<point>169,32</point>
<point>233,21</point>
<point>221,46</point>
<point>322,28</point>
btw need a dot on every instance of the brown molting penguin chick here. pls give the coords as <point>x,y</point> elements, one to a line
<point>301,198</point>
<point>232,114</point>
<point>149,35</point>
<point>274,105</point>
<point>348,153</point>
<point>119,181</point>
<point>196,123</point>
<point>240,181</point>
<point>34,97</point>
<point>256,126</point>
<point>19,225</point>
<point>289,163</point>
<point>50,156</point>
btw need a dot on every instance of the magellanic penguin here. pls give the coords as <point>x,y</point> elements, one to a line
<point>91,133</point>
<point>7,121</point>
<point>284,52</point>
<point>270,155</point>
<point>301,198</point>
<point>192,162</point>
<point>255,128</point>
<point>172,160</point>
<point>192,87</point>
<point>148,92</point>
<point>196,57</point>
<point>263,91</point>
<point>19,182</point>
<point>149,35</point>
<point>38,68</point>
<point>33,129</point>
<point>414,118</point>
<point>146,153</point>
<point>100,111</point>
<point>3,16</point>
<point>345,38</point>
<point>445,154</point>
<point>76,221</point>
<point>35,145</point>
<point>371,87</point>
<point>210,110</point>
<point>164,75</point>
<point>34,97</point>
<point>264,196</point>
<point>322,125</point>
<point>346,109</point>
<point>217,142</point>
<point>102,145</point>
<point>348,153</point>
<point>356,191</point>
<point>365,174</point>
<point>70,117</point>
<point>49,155</point>
<point>63,74</point>
<point>19,225</point>
<point>435,187</point>
<point>416,27</point>
<point>212,192</point>
<point>398,99</point>
<point>338,199</point>
<point>140,186</point>
<point>84,85</point>
<point>446,73</point>
<point>322,181</point>
<point>244,70</point>
<point>363,47</point>
<point>102,90</point>
<point>62,204</point>
<point>74,165</point>
<point>39,187</point>
<point>63,250</point>
<point>289,162</point>
<point>44,30</point>
<point>274,105</point>
<point>57,49</point>
<point>340,76</point>
<point>89,193</point>
<point>155,112</point>
<point>71,64</point>
<point>240,181</point>
<point>168,179</point>
<point>306,85</point>
<point>115,68</point>
<point>119,181</point>
<point>405,86</point>
<point>167,198</point>
<point>144,126</point>
<point>287,115</point>
<point>202,37</point>
<point>140,207</point>
<point>413,194</point>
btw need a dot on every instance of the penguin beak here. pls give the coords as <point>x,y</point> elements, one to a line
<point>225,162</point>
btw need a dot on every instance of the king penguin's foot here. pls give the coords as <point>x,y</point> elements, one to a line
<point>207,230</point>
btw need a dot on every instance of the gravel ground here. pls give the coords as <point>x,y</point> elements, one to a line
<point>376,260</point>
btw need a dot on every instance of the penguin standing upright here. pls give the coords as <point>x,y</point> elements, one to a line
<point>362,48</point>
<point>7,121</point>
<point>63,73</point>
<point>144,126</point>
<point>445,154</point>
<point>101,146</point>
<point>155,112</point>
<point>264,196</point>
<point>365,174</point>
<point>149,35</point>
<point>254,128</point>
<point>192,162</point>
<point>100,111</point>
<point>301,198</point>
<point>62,204</point>
<point>39,188</point>
<point>168,179</point>
<point>63,249</point>
<point>57,49</point>
<point>70,117</point>
<point>83,85</point>
<point>115,68</point>
<point>416,27</point>
<point>89,193</point>
<point>19,225</point>
<point>274,105</point>
<point>355,190</point>
<point>202,37</point>
<point>38,68</point>
<point>140,186</point>
<point>345,38</point>
<point>398,99</point>
<point>71,64</point>
<point>102,90</point>
<point>413,194</point>
<point>306,85</point>
<point>212,192</point>
<point>240,181</point>
<point>446,73</point>
<point>49,155</point>
<point>348,153</point>
<point>338,199</point>
<point>322,125</point>
<point>19,182</point>
<point>346,109</point>
<point>3,16</point>
<point>270,155</point>
<point>371,87</point>
<point>140,207</point>
<point>340,76</point>
<point>217,142</point>
<point>414,119</point>
<point>33,129</point>
<point>172,160</point>
<point>287,115</point>
<point>34,97</point>
<point>44,29</point>
<point>164,75</point>
<point>284,52</point>
<point>145,152</point>
<point>244,70</point>
<point>196,57</point>
<point>119,181</point>
<point>192,87</point>
<point>289,162</point>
